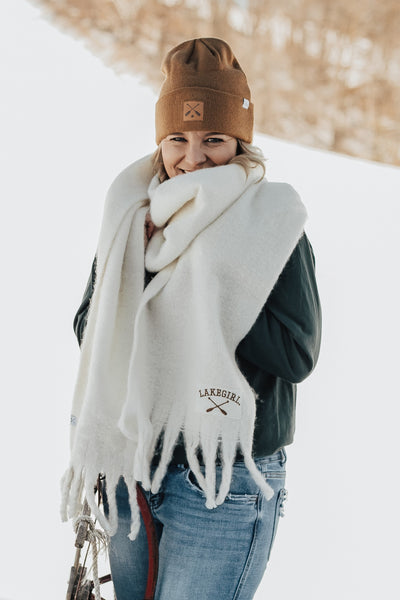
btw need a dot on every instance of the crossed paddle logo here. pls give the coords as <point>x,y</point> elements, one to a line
<point>193,111</point>
<point>217,406</point>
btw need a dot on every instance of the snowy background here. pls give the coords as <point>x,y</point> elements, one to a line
<point>68,125</point>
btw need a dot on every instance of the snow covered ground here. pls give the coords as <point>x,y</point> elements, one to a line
<point>67,126</point>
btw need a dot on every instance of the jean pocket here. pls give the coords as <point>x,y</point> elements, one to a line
<point>275,477</point>
<point>232,496</point>
<point>242,498</point>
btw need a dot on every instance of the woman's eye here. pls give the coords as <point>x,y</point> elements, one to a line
<point>214,140</point>
<point>177,139</point>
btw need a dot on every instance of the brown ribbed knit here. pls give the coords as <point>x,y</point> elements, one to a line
<point>205,89</point>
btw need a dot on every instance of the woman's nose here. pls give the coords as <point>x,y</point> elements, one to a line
<point>194,156</point>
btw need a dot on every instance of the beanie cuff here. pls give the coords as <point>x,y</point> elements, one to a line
<point>204,109</point>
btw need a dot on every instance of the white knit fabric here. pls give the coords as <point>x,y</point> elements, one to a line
<point>162,360</point>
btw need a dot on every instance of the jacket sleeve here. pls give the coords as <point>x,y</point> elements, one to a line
<point>285,339</point>
<point>80,319</point>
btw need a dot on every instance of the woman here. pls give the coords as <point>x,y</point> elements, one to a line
<point>187,383</point>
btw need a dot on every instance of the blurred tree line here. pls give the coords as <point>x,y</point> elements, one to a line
<point>323,73</point>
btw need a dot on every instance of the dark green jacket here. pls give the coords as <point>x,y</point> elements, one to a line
<point>279,351</point>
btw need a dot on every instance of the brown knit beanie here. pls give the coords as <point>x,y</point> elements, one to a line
<point>205,90</point>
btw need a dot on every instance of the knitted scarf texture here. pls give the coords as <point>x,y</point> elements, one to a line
<point>161,360</point>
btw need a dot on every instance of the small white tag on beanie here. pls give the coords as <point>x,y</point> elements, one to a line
<point>246,103</point>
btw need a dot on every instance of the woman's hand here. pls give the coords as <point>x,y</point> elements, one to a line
<point>149,229</point>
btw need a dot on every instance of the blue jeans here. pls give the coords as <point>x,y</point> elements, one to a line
<point>218,554</point>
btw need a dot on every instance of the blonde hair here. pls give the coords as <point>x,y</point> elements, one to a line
<point>248,156</point>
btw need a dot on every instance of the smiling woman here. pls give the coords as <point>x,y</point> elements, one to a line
<point>193,342</point>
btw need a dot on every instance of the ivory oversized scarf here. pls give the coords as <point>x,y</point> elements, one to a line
<point>161,360</point>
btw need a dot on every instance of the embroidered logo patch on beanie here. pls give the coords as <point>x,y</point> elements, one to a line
<point>193,110</point>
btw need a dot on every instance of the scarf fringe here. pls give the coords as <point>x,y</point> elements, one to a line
<point>74,487</point>
<point>78,483</point>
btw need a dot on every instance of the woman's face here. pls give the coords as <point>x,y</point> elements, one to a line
<point>188,151</point>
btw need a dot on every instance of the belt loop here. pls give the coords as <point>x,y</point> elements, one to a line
<point>283,456</point>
